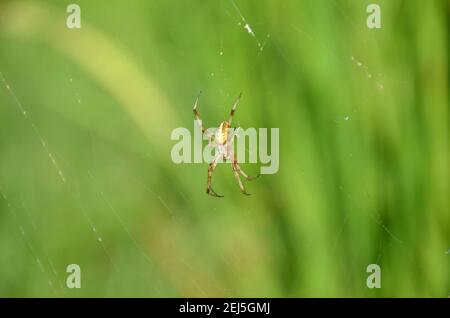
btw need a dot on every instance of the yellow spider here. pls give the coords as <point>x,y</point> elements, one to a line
<point>224,141</point>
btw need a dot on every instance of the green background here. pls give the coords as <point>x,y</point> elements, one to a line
<point>86,176</point>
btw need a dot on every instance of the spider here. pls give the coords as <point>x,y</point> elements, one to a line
<point>224,140</point>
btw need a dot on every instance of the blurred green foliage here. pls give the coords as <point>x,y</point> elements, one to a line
<point>364,148</point>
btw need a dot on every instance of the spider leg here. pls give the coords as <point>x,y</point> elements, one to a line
<point>233,109</point>
<point>246,176</point>
<point>238,179</point>
<point>211,168</point>
<point>197,114</point>
<point>210,138</point>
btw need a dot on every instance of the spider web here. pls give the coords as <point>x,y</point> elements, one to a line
<point>263,40</point>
